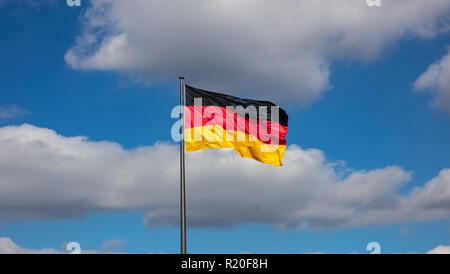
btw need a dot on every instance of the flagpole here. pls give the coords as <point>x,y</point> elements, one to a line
<point>182,174</point>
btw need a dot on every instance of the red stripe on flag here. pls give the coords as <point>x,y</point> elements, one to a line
<point>266,131</point>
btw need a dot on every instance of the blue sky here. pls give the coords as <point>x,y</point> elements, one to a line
<point>370,118</point>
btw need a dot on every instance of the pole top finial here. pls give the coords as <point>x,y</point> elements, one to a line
<point>181,77</point>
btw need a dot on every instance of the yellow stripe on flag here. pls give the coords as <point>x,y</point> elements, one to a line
<point>247,146</point>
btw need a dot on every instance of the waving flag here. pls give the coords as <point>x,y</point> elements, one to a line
<point>255,129</point>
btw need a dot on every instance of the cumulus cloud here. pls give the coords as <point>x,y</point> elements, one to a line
<point>442,249</point>
<point>11,111</point>
<point>270,49</point>
<point>7,246</point>
<point>437,80</point>
<point>112,245</point>
<point>46,175</point>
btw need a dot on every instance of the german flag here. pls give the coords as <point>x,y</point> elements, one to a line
<point>255,129</point>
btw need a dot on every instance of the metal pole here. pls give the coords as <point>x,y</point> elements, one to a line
<point>182,162</point>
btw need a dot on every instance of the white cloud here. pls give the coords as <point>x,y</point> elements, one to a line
<point>45,175</point>
<point>12,111</point>
<point>112,245</point>
<point>437,80</point>
<point>269,49</point>
<point>442,249</point>
<point>7,246</point>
